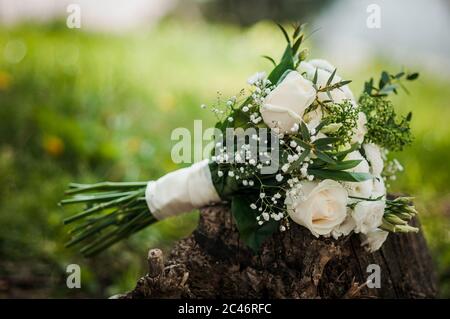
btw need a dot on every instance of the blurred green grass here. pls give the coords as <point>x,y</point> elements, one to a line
<point>87,107</point>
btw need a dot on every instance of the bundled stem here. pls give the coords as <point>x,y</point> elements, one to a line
<point>112,212</point>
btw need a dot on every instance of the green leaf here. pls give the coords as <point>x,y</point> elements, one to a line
<point>324,157</point>
<point>385,79</point>
<point>399,75</point>
<point>340,155</point>
<point>298,163</point>
<point>339,166</point>
<point>387,89</point>
<point>314,80</point>
<point>297,44</point>
<point>304,131</point>
<point>252,234</point>
<point>412,76</point>
<point>302,143</point>
<point>326,141</point>
<point>340,175</point>
<point>286,36</point>
<point>225,186</point>
<point>286,63</point>
<point>368,86</point>
<point>330,79</point>
<point>270,59</point>
<point>297,30</point>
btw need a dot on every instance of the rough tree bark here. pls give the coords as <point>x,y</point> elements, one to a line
<point>213,263</point>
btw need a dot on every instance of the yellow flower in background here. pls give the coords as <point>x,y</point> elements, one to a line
<point>53,145</point>
<point>5,81</point>
<point>134,144</point>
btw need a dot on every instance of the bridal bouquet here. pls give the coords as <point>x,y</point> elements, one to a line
<point>296,147</point>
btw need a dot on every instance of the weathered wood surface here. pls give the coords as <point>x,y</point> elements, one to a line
<point>214,263</point>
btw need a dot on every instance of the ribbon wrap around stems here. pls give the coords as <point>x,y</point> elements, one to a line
<point>181,191</point>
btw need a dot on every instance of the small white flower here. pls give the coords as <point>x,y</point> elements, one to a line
<point>285,167</point>
<point>279,177</point>
<point>230,119</point>
<point>252,206</point>
<point>290,158</point>
<point>262,195</point>
<point>245,109</point>
<point>295,127</point>
<point>293,144</point>
<point>304,171</point>
<point>282,228</point>
<point>251,183</point>
<point>220,173</point>
<point>231,173</point>
<point>259,76</point>
<point>265,216</point>
<point>245,182</point>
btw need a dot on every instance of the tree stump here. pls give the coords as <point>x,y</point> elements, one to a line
<point>214,263</point>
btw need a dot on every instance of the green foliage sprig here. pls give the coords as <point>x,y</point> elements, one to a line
<point>343,115</point>
<point>384,127</point>
<point>388,83</point>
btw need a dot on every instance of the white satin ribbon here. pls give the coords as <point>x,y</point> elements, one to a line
<point>181,191</point>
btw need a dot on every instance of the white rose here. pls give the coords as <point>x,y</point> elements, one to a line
<point>320,207</point>
<point>322,64</point>
<point>368,215</point>
<point>360,131</point>
<point>359,189</point>
<point>373,240</point>
<point>378,187</point>
<point>373,155</point>
<point>324,70</point>
<point>286,104</point>
<point>313,118</point>
<point>345,227</point>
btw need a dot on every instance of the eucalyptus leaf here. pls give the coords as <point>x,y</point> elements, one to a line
<point>339,166</point>
<point>324,157</point>
<point>340,175</point>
